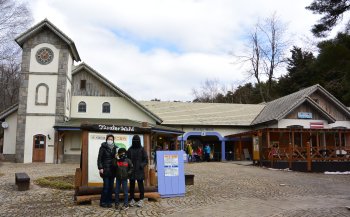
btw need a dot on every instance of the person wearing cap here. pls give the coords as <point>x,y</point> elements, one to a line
<point>124,169</point>
<point>139,159</point>
<point>105,158</point>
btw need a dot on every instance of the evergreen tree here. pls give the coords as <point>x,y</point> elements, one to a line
<point>332,11</point>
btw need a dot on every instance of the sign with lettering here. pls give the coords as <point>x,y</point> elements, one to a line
<point>95,141</point>
<point>305,115</point>
<point>114,128</point>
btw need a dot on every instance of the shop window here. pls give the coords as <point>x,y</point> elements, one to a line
<point>82,107</point>
<point>106,107</point>
<point>42,94</point>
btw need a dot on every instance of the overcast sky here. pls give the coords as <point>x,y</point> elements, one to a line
<point>165,48</point>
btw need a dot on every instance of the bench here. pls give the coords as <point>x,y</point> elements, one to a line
<point>189,179</point>
<point>22,181</point>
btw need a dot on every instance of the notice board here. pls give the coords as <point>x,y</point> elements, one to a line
<point>171,175</point>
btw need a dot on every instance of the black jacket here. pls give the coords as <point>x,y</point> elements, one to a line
<point>123,169</point>
<point>139,160</point>
<point>105,160</point>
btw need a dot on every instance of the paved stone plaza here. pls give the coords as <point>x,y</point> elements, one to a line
<point>221,189</point>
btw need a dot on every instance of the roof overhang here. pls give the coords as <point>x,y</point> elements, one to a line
<point>313,104</point>
<point>21,39</point>
<point>8,111</point>
<point>119,91</point>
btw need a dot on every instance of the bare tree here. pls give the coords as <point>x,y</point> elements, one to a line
<point>274,47</point>
<point>253,57</point>
<point>14,19</point>
<point>208,91</point>
<point>264,52</point>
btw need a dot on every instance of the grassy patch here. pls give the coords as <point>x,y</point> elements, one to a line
<point>57,182</point>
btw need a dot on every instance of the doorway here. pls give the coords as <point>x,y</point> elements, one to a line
<point>39,147</point>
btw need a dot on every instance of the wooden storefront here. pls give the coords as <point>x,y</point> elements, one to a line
<point>301,149</point>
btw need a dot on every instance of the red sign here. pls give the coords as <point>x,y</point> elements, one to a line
<point>316,125</point>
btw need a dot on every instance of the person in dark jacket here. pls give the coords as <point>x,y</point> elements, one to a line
<point>124,169</point>
<point>139,159</point>
<point>105,158</point>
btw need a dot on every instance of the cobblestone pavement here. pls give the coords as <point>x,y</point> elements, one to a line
<point>221,189</point>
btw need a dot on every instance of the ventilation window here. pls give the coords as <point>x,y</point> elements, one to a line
<point>82,84</point>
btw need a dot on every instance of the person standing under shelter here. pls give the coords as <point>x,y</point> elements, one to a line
<point>189,152</point>
<point>105,158</point>
<point>124,169</point>
<point>139,159</point>
<point>207,152</point>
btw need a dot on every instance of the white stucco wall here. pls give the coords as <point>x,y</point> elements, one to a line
<point>70,138</point>
<point>68,97</point>
<point>37,67</point>
<point>70,66</point>
<point>39,125</point>
<point>341,124</point>
<point>68,87</point>
<point>49,80</point>
<point>120,109</point>
<point>10,134</point>
<point>303,122</point>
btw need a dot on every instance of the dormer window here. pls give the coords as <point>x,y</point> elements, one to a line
<point>106,107</point>
<point>82,84</point>
<point>82,107</point>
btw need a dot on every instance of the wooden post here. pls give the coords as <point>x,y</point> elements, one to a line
<point>147,147</point>
<point>84,157</point>
<point>176,143</point>
<point>308,156</point>
<point>290,156</point>
<point>56,147</point>
<point>60,147</point>
<point>339,134</point>
<point>240,149</point>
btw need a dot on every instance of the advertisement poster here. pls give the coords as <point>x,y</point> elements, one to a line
<point>95,141</point>
<point>171,165</point>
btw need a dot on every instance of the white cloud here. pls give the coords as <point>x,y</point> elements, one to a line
<point>109,36</point>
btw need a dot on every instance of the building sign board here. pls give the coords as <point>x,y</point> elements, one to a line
<point>305,115</point>
<point>95,141</point>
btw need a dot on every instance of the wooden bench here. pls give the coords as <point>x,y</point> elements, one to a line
<point>189,179</point>
<point>22,181</point>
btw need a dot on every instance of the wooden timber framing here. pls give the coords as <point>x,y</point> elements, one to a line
<point>311,146</point>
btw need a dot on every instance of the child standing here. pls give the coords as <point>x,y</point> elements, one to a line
<point>124,169</point>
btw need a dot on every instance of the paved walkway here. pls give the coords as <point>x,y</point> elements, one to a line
<point>221,189</point>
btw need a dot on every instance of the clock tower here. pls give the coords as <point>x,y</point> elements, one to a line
<point>45,90</point>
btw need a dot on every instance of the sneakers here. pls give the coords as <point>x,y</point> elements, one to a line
<point>132,203</point>
<point>125,207</point>
<point>139,203</point>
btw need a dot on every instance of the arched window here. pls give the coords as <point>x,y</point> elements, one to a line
<point>82,107</point>
<point>42,94</point>
<point>106,107</point>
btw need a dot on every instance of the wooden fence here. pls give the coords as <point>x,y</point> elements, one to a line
<point>306,154</point>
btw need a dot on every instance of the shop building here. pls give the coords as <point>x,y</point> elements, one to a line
<point>59,101</point>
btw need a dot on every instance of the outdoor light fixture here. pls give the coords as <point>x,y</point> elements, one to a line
<point>48,136</point>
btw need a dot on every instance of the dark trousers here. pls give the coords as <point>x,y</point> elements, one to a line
<point>141,188</point>
<point>124,184</point>
<point>207,157</point>
<point>106,194</point>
